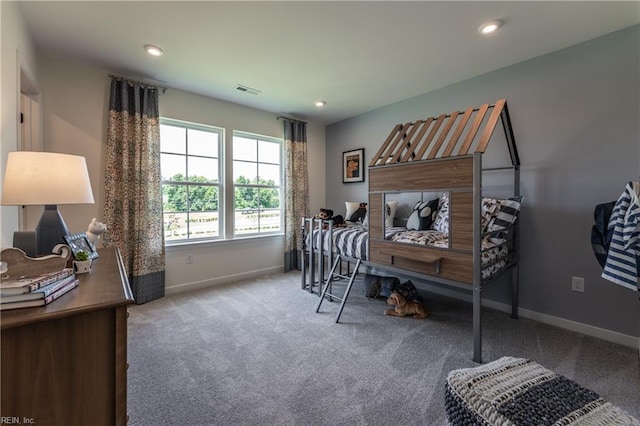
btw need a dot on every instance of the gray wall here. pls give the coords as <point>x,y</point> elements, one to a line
<point>575,114</point>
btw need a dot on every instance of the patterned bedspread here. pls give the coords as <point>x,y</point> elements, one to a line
<point>352,241</point>
<point>516,391</point>
<point>493,255</point>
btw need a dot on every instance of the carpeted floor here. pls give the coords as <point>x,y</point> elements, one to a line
<point>256,353</point>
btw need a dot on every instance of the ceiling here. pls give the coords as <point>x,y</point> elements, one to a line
<point>355,55</point>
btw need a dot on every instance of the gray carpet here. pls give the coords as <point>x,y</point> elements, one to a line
<point>256,353</point>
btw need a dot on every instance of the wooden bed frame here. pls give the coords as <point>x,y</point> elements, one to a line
<point>432,155</point>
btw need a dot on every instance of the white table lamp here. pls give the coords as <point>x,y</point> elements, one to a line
<point>46,178</point>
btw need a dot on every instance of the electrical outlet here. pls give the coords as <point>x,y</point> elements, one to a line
<point>189,259</point>
<point>577,284</point>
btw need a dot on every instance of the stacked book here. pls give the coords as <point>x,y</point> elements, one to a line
<point>36,291</point>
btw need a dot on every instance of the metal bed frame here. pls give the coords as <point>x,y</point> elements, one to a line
<point>405,145</point>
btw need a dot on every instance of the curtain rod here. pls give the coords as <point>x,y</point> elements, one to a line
<point>282,117</point>
<point>133,80</point>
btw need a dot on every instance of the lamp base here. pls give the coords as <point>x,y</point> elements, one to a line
<point>25,241</point>
<point>50,230</point>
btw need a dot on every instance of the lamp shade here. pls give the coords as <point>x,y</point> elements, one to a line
<point>45,178</point>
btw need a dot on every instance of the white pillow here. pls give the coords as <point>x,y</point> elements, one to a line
<point>351,207</point>
<point>390,212</point>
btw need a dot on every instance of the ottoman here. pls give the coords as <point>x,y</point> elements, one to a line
<point>516,391</point>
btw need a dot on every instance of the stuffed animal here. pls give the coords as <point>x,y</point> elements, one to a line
<point>95,229</point>
<point>405,307</point>
<point>359,214</point>
<point>327,214</point>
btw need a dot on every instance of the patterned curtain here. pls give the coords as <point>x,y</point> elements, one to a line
<point>133,192</point>
<point>296,183</point>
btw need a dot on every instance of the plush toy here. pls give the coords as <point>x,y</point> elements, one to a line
<point>359,214</point>
<point>338,221</point>
<point>95,229</point>
<point>327,214</point>
<point>405,307</point>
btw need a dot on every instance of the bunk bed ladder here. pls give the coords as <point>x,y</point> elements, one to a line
<point>327,292</point>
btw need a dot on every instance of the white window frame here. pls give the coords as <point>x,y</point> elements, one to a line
<point>280,187</point>
<point>226,185</point>
<point>221,187</point>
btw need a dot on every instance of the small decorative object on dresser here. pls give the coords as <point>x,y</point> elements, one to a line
<point>80,242</point>
<point>26,282</point>
<point>95,229</point>
<point>16,263</point>
<point>82,264</point>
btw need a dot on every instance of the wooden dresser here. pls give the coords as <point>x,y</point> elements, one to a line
<point>66,363</point>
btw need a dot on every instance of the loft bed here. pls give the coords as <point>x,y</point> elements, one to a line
<point>468,241</point>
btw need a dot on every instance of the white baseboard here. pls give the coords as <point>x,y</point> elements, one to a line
<point>589,330</point>
<point>195,285</point>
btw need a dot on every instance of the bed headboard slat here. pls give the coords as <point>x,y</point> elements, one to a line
<point>464,149</point>
<point>491,124</point>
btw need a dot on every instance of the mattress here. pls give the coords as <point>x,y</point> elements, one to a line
<point>517,391</point>
<point>351,241</point>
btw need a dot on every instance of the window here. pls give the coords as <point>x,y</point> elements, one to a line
<point>257,178</point>
<point>191,180</point>
<point>193,183</point>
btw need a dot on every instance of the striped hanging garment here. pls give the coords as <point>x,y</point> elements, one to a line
<point>622,265</point>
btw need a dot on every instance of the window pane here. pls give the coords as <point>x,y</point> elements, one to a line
<point>269,198</point>
<point>203,198</point>
<point>245,172</point>
<point>173,167</point>
<point>269,152</point>
<point>270,220</point>
<point>174,198</point>
<point>172,139</point>
<point>245,149</point>
<point>203,169</point>
<point>175,226</point>
<point>269,174</point>
<point>204,225</point>
<point>190,157</point>
<point>247,222</point>
<point>203,143</point>
<point>246,198</point>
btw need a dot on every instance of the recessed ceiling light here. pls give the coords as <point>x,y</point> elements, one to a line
<point>320,104</point>
<point>153,50</point>
<point>489,27</point>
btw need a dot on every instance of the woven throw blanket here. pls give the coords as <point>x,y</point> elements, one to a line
<point>516,391</point>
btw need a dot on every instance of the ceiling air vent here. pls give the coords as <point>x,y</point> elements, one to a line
<point>247,89</point>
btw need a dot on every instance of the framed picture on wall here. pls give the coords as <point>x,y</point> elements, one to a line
<point>353,166</point>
